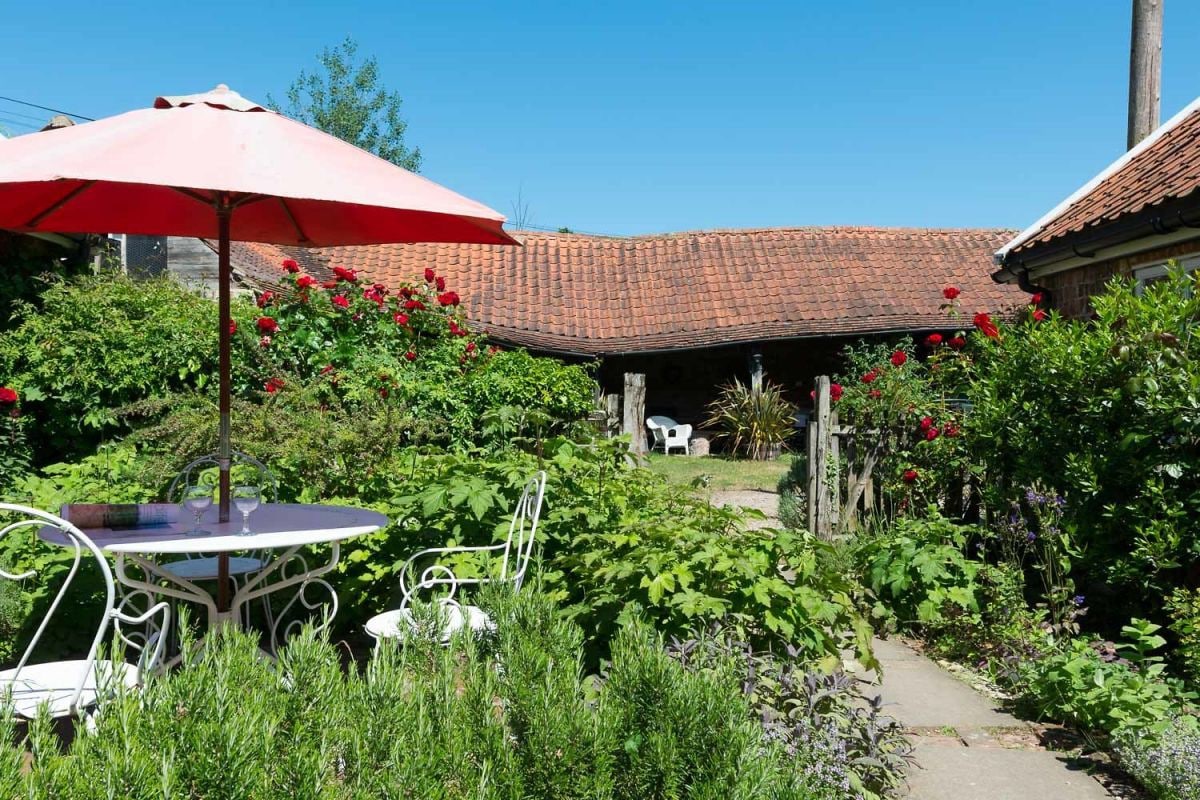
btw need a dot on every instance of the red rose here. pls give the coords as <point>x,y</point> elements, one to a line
<point>448,299</point>
<point>273,385</point>
<point>931,434</point>
<point>430,275</point>
<point>401,319</point>
<point>232,327</point>
<point>957,343</point>
<point>306,281</point>
<point>926,423</point>
<point>835,392</point>
<point>329,285</point>
<point>410,355</point>
<point>340,301</point>
<point>870,376</point>
<point>910,475</point>
<point>1036,299</point>
<point>414,305</point>
<point>407,291</point>
<point>290,265</point>
<point>266,325</point>
<point>985,325</point>
<point>950,292</point>
<point>813,395</point>
<point>950,430</point>
<point>898,358</point>
<point>1039,315</point>
<point>374,296</point>
<point>440,283</point>
<point>343,274</point>
<point>265,299</point>
<point>328,368</point>
<point>8,396</point>
<point>470,347</point>
<point>874,394</point>
<point>933,340</point>
<point>264,341</point>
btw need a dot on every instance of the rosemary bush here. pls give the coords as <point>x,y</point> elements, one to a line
<point>506,716</point>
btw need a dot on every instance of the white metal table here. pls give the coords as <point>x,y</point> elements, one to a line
<point>283,528</point>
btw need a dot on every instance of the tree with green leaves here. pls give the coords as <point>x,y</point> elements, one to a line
<point>344,98</point>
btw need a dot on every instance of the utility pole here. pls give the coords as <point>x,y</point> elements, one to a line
<point>1145,69</point>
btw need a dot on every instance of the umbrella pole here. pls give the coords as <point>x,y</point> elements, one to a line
<point>224,277</point>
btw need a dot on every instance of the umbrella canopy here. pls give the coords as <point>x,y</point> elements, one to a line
<point>218,166</point>
<point>159,171</point>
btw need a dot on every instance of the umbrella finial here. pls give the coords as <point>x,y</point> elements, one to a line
<point>222,87</point>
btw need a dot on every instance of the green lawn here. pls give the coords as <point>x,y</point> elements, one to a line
<point>723,474</point>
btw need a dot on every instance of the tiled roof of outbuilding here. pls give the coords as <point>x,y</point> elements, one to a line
<point>574,293</point>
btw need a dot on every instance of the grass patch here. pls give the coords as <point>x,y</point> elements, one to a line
<point>723,474</point>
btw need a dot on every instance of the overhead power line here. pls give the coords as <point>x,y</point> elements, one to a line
<point>47,108</point>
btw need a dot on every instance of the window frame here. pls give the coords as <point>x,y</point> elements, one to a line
<point>1152,270</point>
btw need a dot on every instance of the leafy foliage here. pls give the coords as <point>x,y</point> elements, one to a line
<point>1168,766</point>
<point>619,544</point>
<point>344,98</point>
<point>1109,412</point>
<point>1184,608</point>
<point>755,423</point>
<point>422,720</point>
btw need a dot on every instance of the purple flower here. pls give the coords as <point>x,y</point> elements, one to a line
<point>1030,536</point>
<point>1078,599</point>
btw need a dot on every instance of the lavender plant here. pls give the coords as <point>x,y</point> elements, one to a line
<point>1169,767</point>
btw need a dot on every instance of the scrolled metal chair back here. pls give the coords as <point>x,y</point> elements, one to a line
<point>45,527</point>
<point>518,548</point>
<point>194,471</point>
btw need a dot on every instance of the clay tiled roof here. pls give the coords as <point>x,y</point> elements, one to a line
<point>572,293</point>
<point>1162,168</point>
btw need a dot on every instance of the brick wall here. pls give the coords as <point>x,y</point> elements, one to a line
<point>1072,290</point>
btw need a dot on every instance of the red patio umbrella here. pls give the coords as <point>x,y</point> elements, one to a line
<point>218,166</point>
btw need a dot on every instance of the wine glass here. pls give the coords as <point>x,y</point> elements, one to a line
<point>246,499</point>
<point>197,498</point>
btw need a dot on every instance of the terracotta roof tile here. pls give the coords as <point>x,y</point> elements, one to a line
<point>573,293</point>
<point>1165,166</point>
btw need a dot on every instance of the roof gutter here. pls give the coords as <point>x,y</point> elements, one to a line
<point>1170,223</point>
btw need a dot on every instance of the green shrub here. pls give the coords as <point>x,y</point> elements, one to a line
<point>1107,411</point>
<point>793,500</point>
<point>618,543</point>
<point>509,717</point>
<point>98,343</point>
<point>1184,608</point>
<point>1107,689</point>
<point>754,423</point>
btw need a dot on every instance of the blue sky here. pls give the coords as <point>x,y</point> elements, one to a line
<point>637,117</point>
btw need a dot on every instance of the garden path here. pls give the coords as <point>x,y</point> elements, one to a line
<point>967,748</point>
<point>766,502</point>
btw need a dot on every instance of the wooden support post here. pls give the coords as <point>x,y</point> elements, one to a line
<point>635,411</point>
<point>1145,69</point>
<point>820,497</point>
<point>612,412</point>
<point>756,371</point>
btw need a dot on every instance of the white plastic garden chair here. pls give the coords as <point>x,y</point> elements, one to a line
<point>76,687</point>
<point>516,551</point>
<point>201,567</point>
<point>668,433</point>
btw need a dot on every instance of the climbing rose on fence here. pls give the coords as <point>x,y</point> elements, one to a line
<point>951,292</point>
<point>933,340</point>
<point>267,325</point>
<point>910,475</point>
<point>899,358</point>
<point>290,265</point>
<point>8,396</point>
<point>957,342</point>
<point>835,392</point>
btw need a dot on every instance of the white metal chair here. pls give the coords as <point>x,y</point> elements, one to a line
<point>668,433</point>
<point>516,551</point>
<point>200,567</point>
<point>75,687</point>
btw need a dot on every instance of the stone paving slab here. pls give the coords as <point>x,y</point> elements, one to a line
<point>920,694</point>
<point>967,748</point>
<point>950,771</point>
